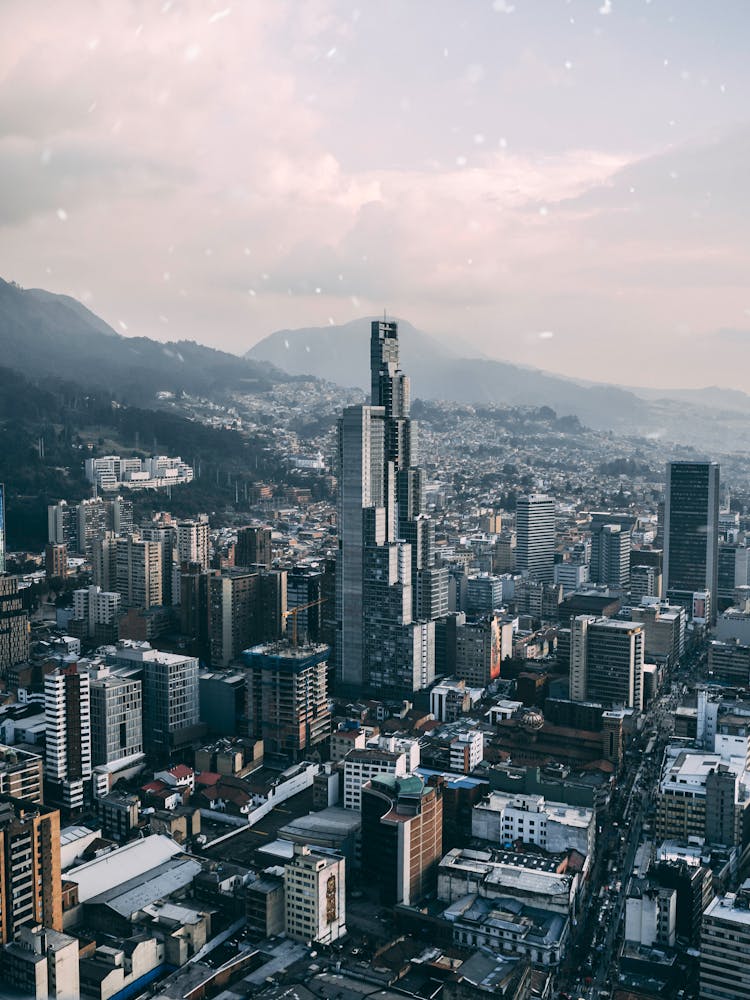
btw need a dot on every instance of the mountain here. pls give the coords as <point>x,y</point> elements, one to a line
<point>341,354</point>
<point>43,334</point>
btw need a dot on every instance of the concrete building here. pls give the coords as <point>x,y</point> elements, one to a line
<point>664,626</point>
<point>508,926</point>
<point>314,890</point>
<point>265,909</point>
<point>466,751</point>
<point>287,697</point>
<point>253,547</point>
<point>479,650</point>
<point>691,530</point>
<point>41,965</point>
<point>68,765</point>
<point>222,700</point>
<point>385,757</point>
<point>535,532</point>
<point>504,818</point>
<point>606,661</point>
<point>402,824</point>
<point>21,773</point>
<point>233,614</point>
<point>112,971</point>
<point>139,573</point>
<point>14,626</point>
<point>171,712</point>
<point>116,717</point>
<point>650,915</point>
<point>55,561</point>
<point>98,612</point>
<point>610,549</point>
<point>725,945</point>
<point>193,542</point>
<point>30,886</point>
<point>729,662</point>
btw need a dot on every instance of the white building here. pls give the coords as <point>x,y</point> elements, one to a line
<point>67,707</point>
<point>725,946</point>
<point>192,541</point>
<point>651,917</point>
<point>314,896</point>
<point>504,818</point>
<point>95,607</point>
<point>110,472</point>
<point>466,751</point>
<point>42,965</point>
<point>362,765</point>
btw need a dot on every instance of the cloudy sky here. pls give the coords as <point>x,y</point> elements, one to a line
<point>565,184</point>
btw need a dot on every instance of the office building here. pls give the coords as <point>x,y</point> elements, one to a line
<point>253,548</point>
<point>556,827</point>
<point>30,885</point>
<point>62,525</point>
<point>166,535</point>
<point>193,541</point>
<point>116,717</point>
<point>314,896</point>
<point>92,515</point>
<point>535,536</point>
<point>606,661</point>
<point>67,709</point>
<point>42,964</point>
<point>691,531</point>
<point>222,695</point>
<point>95,614</point>
<point>171,714</point>
<point>484,594</point>
<point>195,608</point>
<point>21,773</point>
<point>645,581</point>
<point>139,573</point>
<point>14,626</point>
<point>610,551</point>
<point>725,946</point>
<point>478,651</point>
<point>2,528</point>
<point>385,541</point>
<point>664,628</point>
<point>287,697</point>
<point>304,586</point>
<point>402,836</point>
<point>729,662</point>
<point>386,755</point>
<point>233,614</point>
<point>55,561</point>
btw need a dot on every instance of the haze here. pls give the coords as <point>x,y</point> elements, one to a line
<point>560,184</point>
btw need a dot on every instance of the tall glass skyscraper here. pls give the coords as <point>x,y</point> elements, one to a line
<point>691,530</point>
<point>2,528</point>
<point>386,562</point>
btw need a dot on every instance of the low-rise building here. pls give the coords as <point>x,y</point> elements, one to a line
<point>505,818</point>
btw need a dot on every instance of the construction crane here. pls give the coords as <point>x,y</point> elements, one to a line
<point>293,612</point>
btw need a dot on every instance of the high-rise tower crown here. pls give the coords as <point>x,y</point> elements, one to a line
<point>390,386</point>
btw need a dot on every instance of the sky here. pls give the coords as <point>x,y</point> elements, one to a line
<point>560,183</point>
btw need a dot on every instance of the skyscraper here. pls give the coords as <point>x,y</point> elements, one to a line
<point>14,625</point>
<point>691,531</point>
<point>535,536</point>
<point>139,572</point>
<point>67,708</point>
<point>384,538</point>
<point>193,542</point>
<point>606,661</point>
<point>253,547</point>
<point>610,549</point>
<point>2,528</point>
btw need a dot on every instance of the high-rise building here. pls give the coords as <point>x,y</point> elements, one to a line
<point>62,525</point>
<point>116,717</point>
<point>304,587</point>
<point>606,661</point>
<point>67,709</point>
<point>478,651</point>
<point>2,527</point>
<point>287,697</point>
<point>535,536</point>
<point>193,541</point>
<point>104,561</point>
<point>30,884</point>
<point>139,573</point>
<point>725,945</point>
<point>14,625</point>
<point>171,713</point>
<point>402,836</point>
<point>385,541</point>
<point>55,561</point>
<point>253,547</point>
<point>233,614</point>
<point>166,536</point>
<point>610,550</point>
<point>314,896</point>
<point>96,613</point>
<point>195,604</point>
<point>122,515</point>
<point>93,519</point>
<point>691,531</point>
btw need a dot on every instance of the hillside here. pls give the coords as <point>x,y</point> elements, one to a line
<point>712,419</point>
<point>42,334</point>
<point>69,421</point>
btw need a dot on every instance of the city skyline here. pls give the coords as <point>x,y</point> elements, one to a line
<point>539,182</point>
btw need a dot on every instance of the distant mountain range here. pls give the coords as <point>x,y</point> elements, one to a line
<point>43,334</point>
<point>341,354</point>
